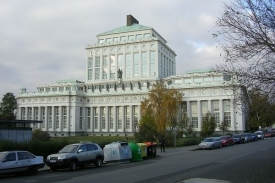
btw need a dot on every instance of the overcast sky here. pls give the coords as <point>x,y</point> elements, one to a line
<point>44,41</point>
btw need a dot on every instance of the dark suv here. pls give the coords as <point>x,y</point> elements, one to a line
<point>76,155</point>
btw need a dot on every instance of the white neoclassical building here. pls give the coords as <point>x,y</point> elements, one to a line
<point>120,70</point>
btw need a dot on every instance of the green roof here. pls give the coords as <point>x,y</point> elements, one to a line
<point>133,27</point>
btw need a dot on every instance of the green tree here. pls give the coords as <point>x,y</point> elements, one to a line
<point>147,128</point>
<point>223,126</point>
<point>163,104</point>
<point>247,29</point>
<point>8,106</point>
<point>208,125</point>
<point>261,110</point>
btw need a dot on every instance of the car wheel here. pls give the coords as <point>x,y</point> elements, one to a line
<point>32,170</point>
<point>72,166</point>
<point>53,169</point>
<point>98,162</point>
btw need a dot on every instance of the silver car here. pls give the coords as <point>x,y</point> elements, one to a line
<point>76,155</point>
<point>260,134</point>
<point>20,161</point>
<point>211,143</point>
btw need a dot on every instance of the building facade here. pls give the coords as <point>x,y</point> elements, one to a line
<point>120,71</point>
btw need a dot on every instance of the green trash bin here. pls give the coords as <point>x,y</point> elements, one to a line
<point>136,153</point>
<point>143,149</point>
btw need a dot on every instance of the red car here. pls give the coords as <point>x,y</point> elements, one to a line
<point>227,140</point>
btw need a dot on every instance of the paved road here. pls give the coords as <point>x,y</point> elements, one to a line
<point>252,162</point>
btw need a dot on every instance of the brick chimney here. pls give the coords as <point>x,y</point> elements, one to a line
<point>131,20</point>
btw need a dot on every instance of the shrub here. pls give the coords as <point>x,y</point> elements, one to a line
<point>40,135</point>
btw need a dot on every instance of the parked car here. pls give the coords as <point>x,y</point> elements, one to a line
<point>269,134</point>
<point>20,161</point>
<point>227,140</point>
<point>238,139</point>
<point>248,137</point>
<point>76,155</point>
<point>260,134</point>
<point>210,143</point>
<point>254,137</point>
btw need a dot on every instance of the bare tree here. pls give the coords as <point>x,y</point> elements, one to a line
<point>248,30</point>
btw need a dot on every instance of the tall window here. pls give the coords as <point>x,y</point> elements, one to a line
<point>194,113</point>
<point>90,68</point>
<point>80,118</point>
<point>43,116</point>
<point>227,113</point>
<point>120,61</point>
<point>184,107</point>
<point>111,117</point>
<point>23,113</point>
<point>119,117</point>
<point>65,114</point>
<point>50,119</point>
<point>96,117</point>
<point>152,63</point>
<point>104,67</point>
<point>144,64</point>
<point>204,108</point>
<point>128,117</point>
<point>127,65</point>
<point>103,117</point>
<point>112,66</point>
<point>97,68</point>
<point>56,111</point>
<point>135,119</point>
<point>88,112</point>
<point>29,113</point>
<point>136,64</point>
<point>216,111</point>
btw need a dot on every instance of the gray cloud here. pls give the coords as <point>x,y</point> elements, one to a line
<point>44,41</point>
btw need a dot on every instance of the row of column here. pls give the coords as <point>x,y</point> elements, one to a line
<point>221,112</point>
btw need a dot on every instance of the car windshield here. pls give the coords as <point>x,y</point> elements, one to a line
<point>69,149</point>
<point>236,136</point>
<point>208,140</point>
<point>259,133</point>
<point>2,155</point>
<point>223,137</point>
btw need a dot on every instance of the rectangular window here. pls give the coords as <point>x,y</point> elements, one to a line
<point>104,68</point>
<point>112,66</point>
<point>101,41</point>
<point>120,61</point>
<point>96,118</point>
<point>29,113</point>
<point>116,39</point>
<point>43,116</point>
<point>136,64</point>
<point>138,36</point>
<point>152,63</point>
<point>50,122</point>
<point>204,108</point>
<point>216,111</point>
<point>119,118</point>
<point>128,117</point>
<point>108,40</point>
<point>111,117</point>
<point>80,118</point>
<point>123,38</point>
<point>194,113</point>
<point>56,111</point>
<point>103,117</point>
<point>90,62</point>
<point>146,36</point>
<point>64,112</point>
<point>135,117</point>
<point>90,74</point>
<point>144,64</point>
<point>131,37</point>
<point>128,65</point>
<point>227,113</point>
<point>88,112</point>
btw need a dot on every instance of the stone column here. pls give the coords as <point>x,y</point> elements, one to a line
<point>107,119</point>
<point>210,106</point>
<point>115,119</point>
<point>99,119</point>
<point>188,109</point>
<point>199,115</point>
<point>60,118</point>
<point>233,116</point>
<point>46,118</point>
<point>39,117</point>
<point>221,110</point>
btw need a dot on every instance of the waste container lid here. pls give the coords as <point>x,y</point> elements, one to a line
<point>150,143</point>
